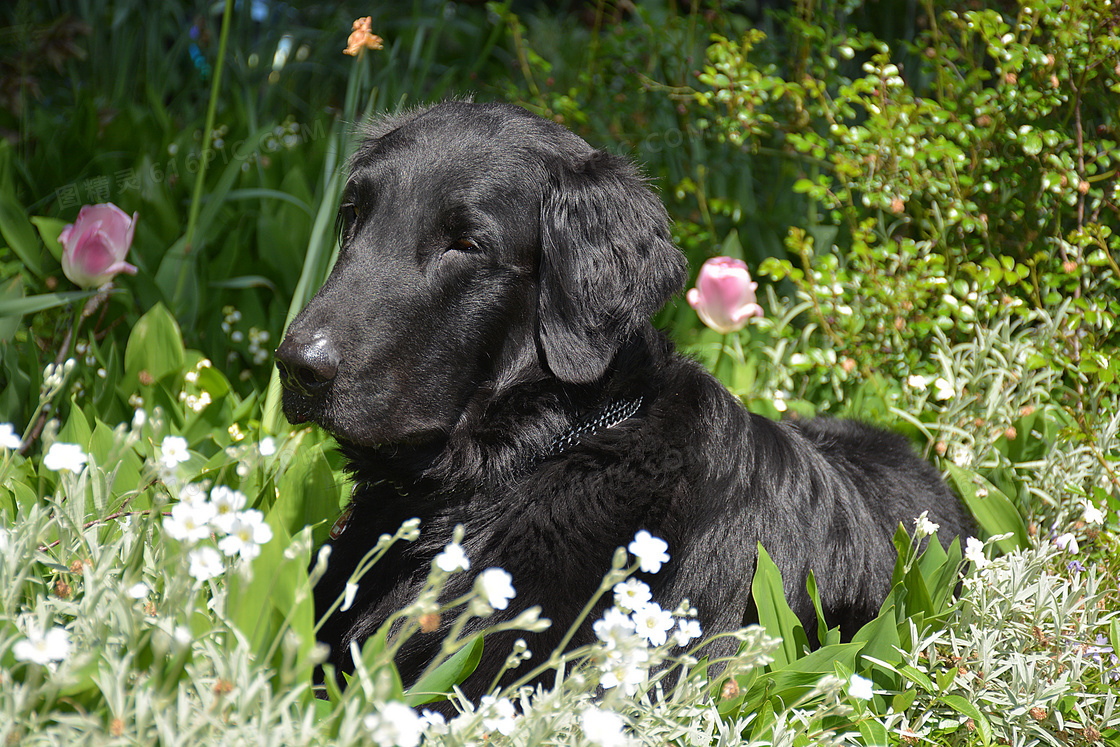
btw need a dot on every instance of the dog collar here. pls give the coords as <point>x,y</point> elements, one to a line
<point>604,419</point>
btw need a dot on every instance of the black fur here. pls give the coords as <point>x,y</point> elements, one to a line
<point>494,287</point>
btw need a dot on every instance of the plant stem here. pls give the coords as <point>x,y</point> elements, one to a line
<point>207,132</point>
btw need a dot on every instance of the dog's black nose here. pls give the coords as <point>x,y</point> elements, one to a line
<point>306,365</point>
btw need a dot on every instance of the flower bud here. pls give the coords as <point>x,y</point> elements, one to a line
<point>94,246</point>
<point>724,294</point>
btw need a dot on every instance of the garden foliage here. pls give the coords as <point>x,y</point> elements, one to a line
<point>927,201</point>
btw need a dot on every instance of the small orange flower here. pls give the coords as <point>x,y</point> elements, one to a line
<point>361,38</point>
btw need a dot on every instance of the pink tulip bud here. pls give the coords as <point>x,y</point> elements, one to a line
<point>95,245</point>
<point>724,294</point>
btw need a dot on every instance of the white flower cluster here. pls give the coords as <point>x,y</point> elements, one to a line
<point>197,516</point>
<point>636,624</point>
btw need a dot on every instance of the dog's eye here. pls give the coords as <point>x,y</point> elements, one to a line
<point>347,217</point>
<point>464,244</point>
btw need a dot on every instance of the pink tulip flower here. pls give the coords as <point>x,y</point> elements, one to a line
<point>94,246</point>
<point>724,294</point>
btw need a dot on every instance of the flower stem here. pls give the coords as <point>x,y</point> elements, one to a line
<point>204,161</point>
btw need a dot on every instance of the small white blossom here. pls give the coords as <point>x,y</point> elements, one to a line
<point>615,629</point>
<point>348,595</point>
<point>496,587</point>
<point>453,558</point>
<point>603,728</point>
<point>247,533</point>
<point>625,670</point>
<point>189,522</point>
<point>916,382</point>
<point>138,591</point>
<point>206,563</point>
<point>394,724</point>
<point>267,446</point>
<point>974,552</point>
<point>1092,515</point>
<point>498,715</point>
<point>631,595</point>
<point>860,687</point>
<point>686,632</point>
<point>173,451</point>
<point>650,551</point>
<point>434,723</point>
<point>923,527</point>
<point>227,503</point>
<point>43,648</point>
<point>1068,543</point>
<point>9,439</point>
<point>62,456</point>
<point>942,389</point>
<point>653,623</point>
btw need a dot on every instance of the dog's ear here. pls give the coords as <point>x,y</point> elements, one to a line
<point>607,263</point>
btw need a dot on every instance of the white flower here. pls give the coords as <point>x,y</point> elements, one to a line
<point>434,723</point>
<point>62,456</point>
<point>138,591</point>
<point>1068,542</point>
<point>496,587</point>
<point>650,551</point>
<point>653,623</point>
<point>43,649</point>
<point>615,629</point>
<point>139,418</point>
<point>923,527</point>
<point>974,552</point>
<point>173,451</point>
<point>348,595</point>
<point>193,493</point>
<point>503,714</point>
<point>1092,515</point>
<point>631,595</point>
<point>4,542</point>
<point>860,687</point>
<point>247,533</point>
<point>206,563</point>
<point>603,728</point>
<point>453,558</point>
<point>394,725</point>
<point>625,670</point>
<point>942,389</point>
<point>686,632</point>
<point>916,382</point>
<point>227,502</point>
<point>189,522</point>
<point>9,439</point>
<point>267,446</point>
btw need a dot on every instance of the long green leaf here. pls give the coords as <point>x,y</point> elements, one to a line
<point>20,235</point>
<point>993,510</point>
<point>774,613</point>
<point>41,302</point>
<point>435,685</point>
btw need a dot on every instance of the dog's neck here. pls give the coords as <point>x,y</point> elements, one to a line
<point>510,431</point>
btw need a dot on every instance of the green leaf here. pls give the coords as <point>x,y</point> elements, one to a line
<point>774,612</point>
<point>155,347</point>
<point>308,494</point>
<point>17,231</point>
<point>438,683</point>
<point>18,306</point>
<point>992,509</point>
<point>49,230</point>
<point>966,708</point>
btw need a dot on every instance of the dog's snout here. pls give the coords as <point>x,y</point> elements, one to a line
<point>307,365</point>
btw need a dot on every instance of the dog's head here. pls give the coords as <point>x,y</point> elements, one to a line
<point>476,240</point>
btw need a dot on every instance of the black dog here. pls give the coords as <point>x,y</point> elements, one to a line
<point>483,353</point>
